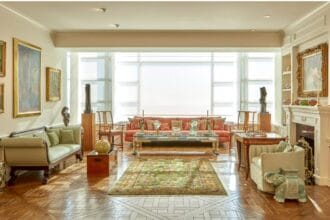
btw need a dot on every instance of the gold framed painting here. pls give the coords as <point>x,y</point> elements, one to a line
<point>27,79</point>
<point>2,98</point>
<point>2,58</point>
<point>53,84</point>
<point>312,73</point>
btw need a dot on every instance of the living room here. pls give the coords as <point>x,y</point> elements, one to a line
<point>211,87</point>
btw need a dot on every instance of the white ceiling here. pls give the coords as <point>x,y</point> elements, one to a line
<point>73,16</point>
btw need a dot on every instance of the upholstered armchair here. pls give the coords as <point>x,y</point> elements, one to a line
<point>265,158</point>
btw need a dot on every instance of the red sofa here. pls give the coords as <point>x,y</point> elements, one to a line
<point>217,124</point>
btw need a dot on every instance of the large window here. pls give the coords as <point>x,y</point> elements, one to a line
<point>191,83</point>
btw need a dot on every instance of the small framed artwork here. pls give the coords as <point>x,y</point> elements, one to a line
<point>2,98</point>
<point>53,84</point>
<point>2,58</point>
<point>27,79</point>
<point>312,73</point>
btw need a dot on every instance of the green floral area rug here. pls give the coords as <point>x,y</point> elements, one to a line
<point>169,177</point>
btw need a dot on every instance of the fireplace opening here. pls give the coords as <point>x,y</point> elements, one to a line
<point>305,139</point>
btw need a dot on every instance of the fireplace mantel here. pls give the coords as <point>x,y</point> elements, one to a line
<point>319,118</point>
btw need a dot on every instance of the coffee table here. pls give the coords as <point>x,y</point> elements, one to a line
<point>202,137</point>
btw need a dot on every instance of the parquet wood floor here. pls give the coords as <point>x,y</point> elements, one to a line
<point>70,194</point>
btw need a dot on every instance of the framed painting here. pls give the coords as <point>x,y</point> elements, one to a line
<point>53,84</point>
<point>27,79</point>
<point>312,73</point>
<point>2,58</point>
<point>2,98</point>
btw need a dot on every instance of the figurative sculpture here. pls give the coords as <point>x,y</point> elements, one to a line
<point>287,185</point>
<point>66,115</point>
<point>88,108</point>
<point>262,100</point>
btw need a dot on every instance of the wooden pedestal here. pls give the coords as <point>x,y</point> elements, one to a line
<point>89,138</point>
<point>101,164</point>
<point>264,122</point>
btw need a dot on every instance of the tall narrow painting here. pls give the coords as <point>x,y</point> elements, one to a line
<point>2,58</point>
<point>27,79</point>
<point>53,84</point>
<point>2,98</point>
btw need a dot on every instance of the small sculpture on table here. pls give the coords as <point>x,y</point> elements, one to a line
<point>66,115</point>
<point>88,108</point>
<point>262,100</point>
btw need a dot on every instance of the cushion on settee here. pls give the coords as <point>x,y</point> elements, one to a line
<point>135,123</point>
<point>53,138</point>
<point>202,124</point>
<point>66,137</point>
<point>176,123</point>
<point>165,126</point>
<point>218,123</point>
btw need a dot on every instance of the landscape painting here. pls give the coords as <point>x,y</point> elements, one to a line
<point>27,79</point>
<point>2,98</point>
<point>53,84</point>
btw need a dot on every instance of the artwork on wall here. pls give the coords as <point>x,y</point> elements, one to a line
<point>312,73</point>
<point>53,84</point>
<point>2,98</point>
<point>2,58</point>
<point>27,79</point>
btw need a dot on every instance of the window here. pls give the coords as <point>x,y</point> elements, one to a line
<point>94,69</point>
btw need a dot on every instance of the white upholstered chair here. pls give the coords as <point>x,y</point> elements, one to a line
<point>264,158</point>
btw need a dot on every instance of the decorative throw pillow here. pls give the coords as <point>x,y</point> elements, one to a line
<point>186,125</point>
<point>288,148</point>
<point>219,123</point>
<point>44,136</point>
<point>66,137</point>
<point>282,146</point>
<point>150,124</point>
<point>53,138</point>
<point>176,124</point>
<point>135,123</point>
<point>202,124</point>
<point>164,126</point>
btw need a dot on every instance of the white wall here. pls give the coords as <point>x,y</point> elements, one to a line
<point>14,26</point>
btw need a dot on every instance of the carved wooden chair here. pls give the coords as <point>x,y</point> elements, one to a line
<point>106,127</point>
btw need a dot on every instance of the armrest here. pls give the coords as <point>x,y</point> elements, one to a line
<point>288,160</point>
<point>26,142</point>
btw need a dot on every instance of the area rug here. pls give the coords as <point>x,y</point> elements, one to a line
<point>169,177</point>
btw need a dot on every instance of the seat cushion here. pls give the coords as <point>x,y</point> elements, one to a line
<point>256,161</point>
<point>222,133</point>
<point>58,152</point>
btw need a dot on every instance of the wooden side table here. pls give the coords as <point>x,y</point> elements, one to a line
<point>246,140</point>
<point>101,164</point>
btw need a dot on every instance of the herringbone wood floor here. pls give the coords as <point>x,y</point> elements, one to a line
<point>70,194</point>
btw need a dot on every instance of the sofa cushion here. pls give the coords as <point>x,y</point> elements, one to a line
<point>176,123</point>
<point>66,137</point>
<point>165,126</point>
<point>60,151</point>
<point>53,138</point>
<point>44,136</point>
<point>150,124</point>
<point>135,123</point>
<point>202,124</point>
<point>282,146</point>
<point>218,123</point>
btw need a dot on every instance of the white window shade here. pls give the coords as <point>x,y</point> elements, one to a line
<point>176,89</point>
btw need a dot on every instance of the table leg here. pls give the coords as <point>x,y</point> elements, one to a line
<point>238,145</point>
<point>215,147</point>
<point>134,148</point>
<point>247,148</point>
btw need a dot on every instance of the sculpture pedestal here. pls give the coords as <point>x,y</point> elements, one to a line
<point>89,138</point>
<point>264,122</point>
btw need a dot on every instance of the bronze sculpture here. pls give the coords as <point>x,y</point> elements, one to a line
<point>262,100</point>
<point>66,115</point>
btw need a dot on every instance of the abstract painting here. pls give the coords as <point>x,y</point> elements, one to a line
<point>27,79</point>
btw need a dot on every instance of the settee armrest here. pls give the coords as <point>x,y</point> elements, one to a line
<point>24,142</point>
<point>271,162</point>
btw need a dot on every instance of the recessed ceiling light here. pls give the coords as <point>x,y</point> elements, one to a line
<point>266,16</point>
<point>102,10</point>
<point>114,25</point>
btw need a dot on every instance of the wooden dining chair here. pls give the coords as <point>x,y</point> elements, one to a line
<point>107,128</point>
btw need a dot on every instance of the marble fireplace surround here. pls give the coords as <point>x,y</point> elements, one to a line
<point>319,118</point>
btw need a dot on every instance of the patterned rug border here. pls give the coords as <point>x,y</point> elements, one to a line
<point>222,190</point>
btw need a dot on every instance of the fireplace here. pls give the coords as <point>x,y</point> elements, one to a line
<point>312,123</point>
